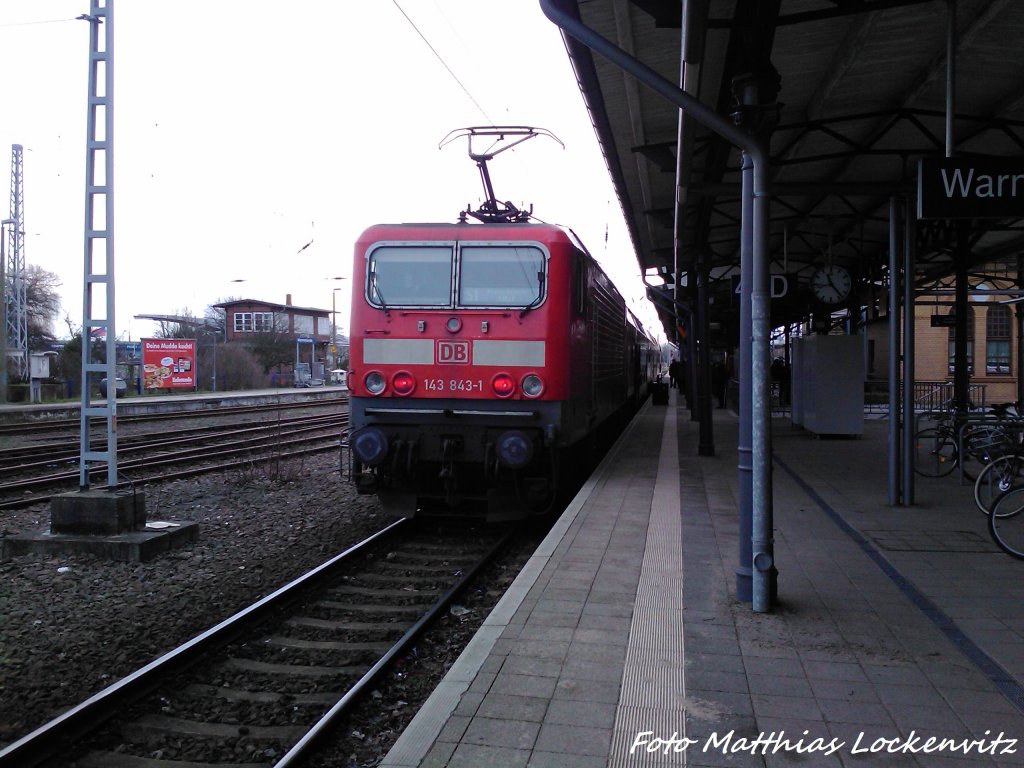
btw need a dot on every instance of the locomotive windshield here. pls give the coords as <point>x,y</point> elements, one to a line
<point>500,276</point>
<point>489,275</point>
<point>417,275</point>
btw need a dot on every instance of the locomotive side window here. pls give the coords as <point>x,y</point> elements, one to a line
<point>579,283</point>
<point>501,276</point>
<point>410,276</point>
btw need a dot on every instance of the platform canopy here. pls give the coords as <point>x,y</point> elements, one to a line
<point>853,94</point>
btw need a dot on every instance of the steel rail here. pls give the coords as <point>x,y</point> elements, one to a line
<point>72,424</point>
<point>302,750</point>
<point>55,453</point>
<point>48,739</point>
<point>204,469</point>
<point>269,438</point>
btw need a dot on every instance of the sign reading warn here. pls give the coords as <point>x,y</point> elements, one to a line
<point>970,188</point>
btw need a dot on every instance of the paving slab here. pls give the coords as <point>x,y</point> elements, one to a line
<point>896,640</point>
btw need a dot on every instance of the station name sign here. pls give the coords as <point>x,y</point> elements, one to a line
<point>970,188</point>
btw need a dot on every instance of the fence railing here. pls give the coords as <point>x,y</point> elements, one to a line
<point>928,395</point>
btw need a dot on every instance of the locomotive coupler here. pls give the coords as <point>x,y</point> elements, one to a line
<point>490,462</point>
<point>449,447</point>
<point>550,434</point>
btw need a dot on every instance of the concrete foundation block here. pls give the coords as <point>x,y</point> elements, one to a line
<point>98,512</point>
<point>130,547</point>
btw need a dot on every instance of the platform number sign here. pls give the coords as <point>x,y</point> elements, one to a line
<point>778,286</point>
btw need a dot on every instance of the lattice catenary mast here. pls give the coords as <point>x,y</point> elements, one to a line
<point>98,300</point>
<point>14,284</point>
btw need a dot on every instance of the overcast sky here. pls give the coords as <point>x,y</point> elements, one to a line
<point>246,129</point>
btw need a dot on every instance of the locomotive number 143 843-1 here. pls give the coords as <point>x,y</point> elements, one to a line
<point>453,385</point>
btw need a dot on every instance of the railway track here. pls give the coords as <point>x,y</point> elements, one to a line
<point>264,686</point>
<point>32,472</point>
<point>71,424</point>
<point>58,452</point>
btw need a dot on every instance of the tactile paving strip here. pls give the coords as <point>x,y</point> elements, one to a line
<point>652,702</point>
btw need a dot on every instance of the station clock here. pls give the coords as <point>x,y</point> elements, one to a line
<point>831,284</point>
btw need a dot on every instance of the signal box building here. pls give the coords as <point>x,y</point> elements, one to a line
<point>309,328</point>
<point>247,317</point>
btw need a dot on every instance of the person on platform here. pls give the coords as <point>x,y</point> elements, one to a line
<point>718,382</point>
<point>779,372</point>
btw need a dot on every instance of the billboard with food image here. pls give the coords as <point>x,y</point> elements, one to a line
<point>168,363</point>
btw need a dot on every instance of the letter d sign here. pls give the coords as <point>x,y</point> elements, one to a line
<point>780,286</point>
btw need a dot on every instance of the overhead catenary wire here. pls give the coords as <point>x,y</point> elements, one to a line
<point>443,62</point>
<point>41,21</point>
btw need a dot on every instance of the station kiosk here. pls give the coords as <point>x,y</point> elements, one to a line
<point>828,384</point>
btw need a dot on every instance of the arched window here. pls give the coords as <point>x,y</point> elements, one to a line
<point>970,340</point>
<point>997,340</point>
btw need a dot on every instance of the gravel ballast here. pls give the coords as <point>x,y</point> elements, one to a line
<point>73,624</point>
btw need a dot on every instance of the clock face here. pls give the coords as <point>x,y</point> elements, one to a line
<point>831,284</point>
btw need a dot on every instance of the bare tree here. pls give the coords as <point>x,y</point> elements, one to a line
<point>42,306</point>
<point>273,348</point>
<point>215,319</point>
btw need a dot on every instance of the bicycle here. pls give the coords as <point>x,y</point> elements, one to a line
<point>938,448</point>
<point>936,454</point>
<point>998,476</point>
<point>1006,522</point>
<point>1006,467</point>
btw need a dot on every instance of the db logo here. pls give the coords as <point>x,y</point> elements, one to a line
<point>453,352</point>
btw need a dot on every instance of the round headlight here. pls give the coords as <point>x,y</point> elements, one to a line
<point>369,445</point>
<point>454,324</point>
<point>515,449</point>
<point>532,385</point>
<point>374,382</point>
<point>503,385</point>
<point>403,383</point>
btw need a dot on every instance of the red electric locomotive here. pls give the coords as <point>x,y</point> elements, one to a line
<point>482,358</point>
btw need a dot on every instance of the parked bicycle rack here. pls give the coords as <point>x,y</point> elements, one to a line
<point>1007,423</point>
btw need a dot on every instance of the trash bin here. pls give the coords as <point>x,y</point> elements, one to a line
<point>659,393</point>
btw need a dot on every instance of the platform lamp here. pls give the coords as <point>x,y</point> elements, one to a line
<point>211,332</point>
<point>3,309</point>
<point>334,323</point>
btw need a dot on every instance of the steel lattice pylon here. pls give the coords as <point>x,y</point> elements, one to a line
<point>14,282</point>
<point>98,299</point>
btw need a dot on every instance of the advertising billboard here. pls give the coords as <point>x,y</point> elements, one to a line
<point>168,363</point>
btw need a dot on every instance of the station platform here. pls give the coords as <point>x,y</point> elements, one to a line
<point>133,405</point>
<point>896,640</point>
